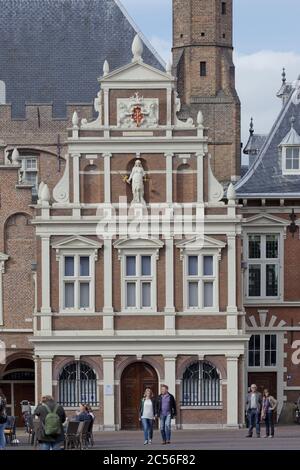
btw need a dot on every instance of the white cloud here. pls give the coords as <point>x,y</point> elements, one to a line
<point>162,46</point>
<point>258,77</point>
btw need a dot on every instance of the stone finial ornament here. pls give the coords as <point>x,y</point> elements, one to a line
<point>41,185</point>
<point>200,119</point>
<point>137,48</point>
<point>105,68</point>
<point>75,119</point>
<point>231,194</point>
<point>15,157</point>
<point>45,194</point>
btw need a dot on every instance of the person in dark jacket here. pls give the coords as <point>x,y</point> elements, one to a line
<point>147,415</point>
<point>83,414</point>
<point>253,409</point>
<point>50,442</point>
<point>166,411</point>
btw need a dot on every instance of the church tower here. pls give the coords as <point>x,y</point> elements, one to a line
<point>202,59</point>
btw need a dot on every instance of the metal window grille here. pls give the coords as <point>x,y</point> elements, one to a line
<point>201,385</point>
<point>77,384</point>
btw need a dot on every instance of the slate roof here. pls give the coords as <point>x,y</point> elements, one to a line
<point>264,178</point>
<point>53,50</point>
<point>255,143</point>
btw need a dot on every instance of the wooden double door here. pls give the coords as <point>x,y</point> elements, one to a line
<point>264,380</point>
<point>135,379</point>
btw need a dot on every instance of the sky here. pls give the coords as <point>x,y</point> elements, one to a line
<point>266,39</point>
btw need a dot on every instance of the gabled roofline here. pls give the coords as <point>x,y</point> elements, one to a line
<point>205,242</point>
<point>140,33</point>
<point>265,146</point>
<point>109,77</point>
<point>271,218</point>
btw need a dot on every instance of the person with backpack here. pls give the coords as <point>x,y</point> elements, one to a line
<point>3,419</point>
<point>52,416</point>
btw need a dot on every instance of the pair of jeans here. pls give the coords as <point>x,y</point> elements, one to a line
<point>254,421</point>
<point>2,436</point>
<point>165,427</point>
<point>51,445</point>
<point>269,420</point>
<point>148,428</point>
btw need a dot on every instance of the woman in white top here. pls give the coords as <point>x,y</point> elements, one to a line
<point>147,415</point>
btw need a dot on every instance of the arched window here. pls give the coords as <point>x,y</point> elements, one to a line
<point>201,385</point>
<point>77,384</point>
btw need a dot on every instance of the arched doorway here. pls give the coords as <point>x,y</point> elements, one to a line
<point>135,378</point>
<point>17,384</point>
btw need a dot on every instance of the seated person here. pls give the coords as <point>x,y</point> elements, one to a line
<point>83,414</point>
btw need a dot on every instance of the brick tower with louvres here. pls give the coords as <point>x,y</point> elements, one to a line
<point>203,64</point>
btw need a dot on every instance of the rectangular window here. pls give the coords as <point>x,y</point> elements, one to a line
<point>146,265</point>
<point>201,281</point>
<point>208,294</point>
<point>224,9</point>
<point>272,246</point>
<point>262,350</point>
<point>69,295</point>
<point>131,295</point>
<point>76,282</point>
<point>193,266</point>
<point>84,266</point>
<point>146,294</point>
<point>84,301</point>
<point>138,281</point>
<point>208,265</point>
<point>193,294</point>
<point>69,266</point>
<point>292,158</point>
<point>270,350</point>
<point>254,246</point>
<point>254,280</point>
<point>263,265</point>
<point>30,163</point>
<point>203,71</point>
<point>271,280</point>
<point>254,351</point>
<point>29,172</point>
<point>130,265</point>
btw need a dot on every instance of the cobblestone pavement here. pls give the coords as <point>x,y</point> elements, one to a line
<point>286,438</point>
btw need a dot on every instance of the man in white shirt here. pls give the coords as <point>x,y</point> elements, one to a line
<point>253,409</point>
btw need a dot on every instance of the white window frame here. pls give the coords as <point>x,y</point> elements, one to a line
<point>139,279</point>
<point>24,170</point>
<point>77,280</point>
<point>141,247</point>
<point>77,246</point>
<point>262,351</point>
<point>285,170</point>
<point>201,279</point>
<point>263,261</point>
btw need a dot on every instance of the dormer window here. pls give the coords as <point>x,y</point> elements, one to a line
<point>292,158</point>
<point>291,152</point>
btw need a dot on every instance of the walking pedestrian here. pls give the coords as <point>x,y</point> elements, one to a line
<point>269,406</point>
<point>51,432</point>
<point>253,408</point>
<point>166,410</point>
<point>3,419</point>
<point>147,415</point>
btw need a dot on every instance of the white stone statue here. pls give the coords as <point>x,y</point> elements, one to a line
<point>137,183</point>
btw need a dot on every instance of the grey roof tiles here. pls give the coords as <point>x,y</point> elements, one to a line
<point>265,176</point>
<point>53,50</point>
